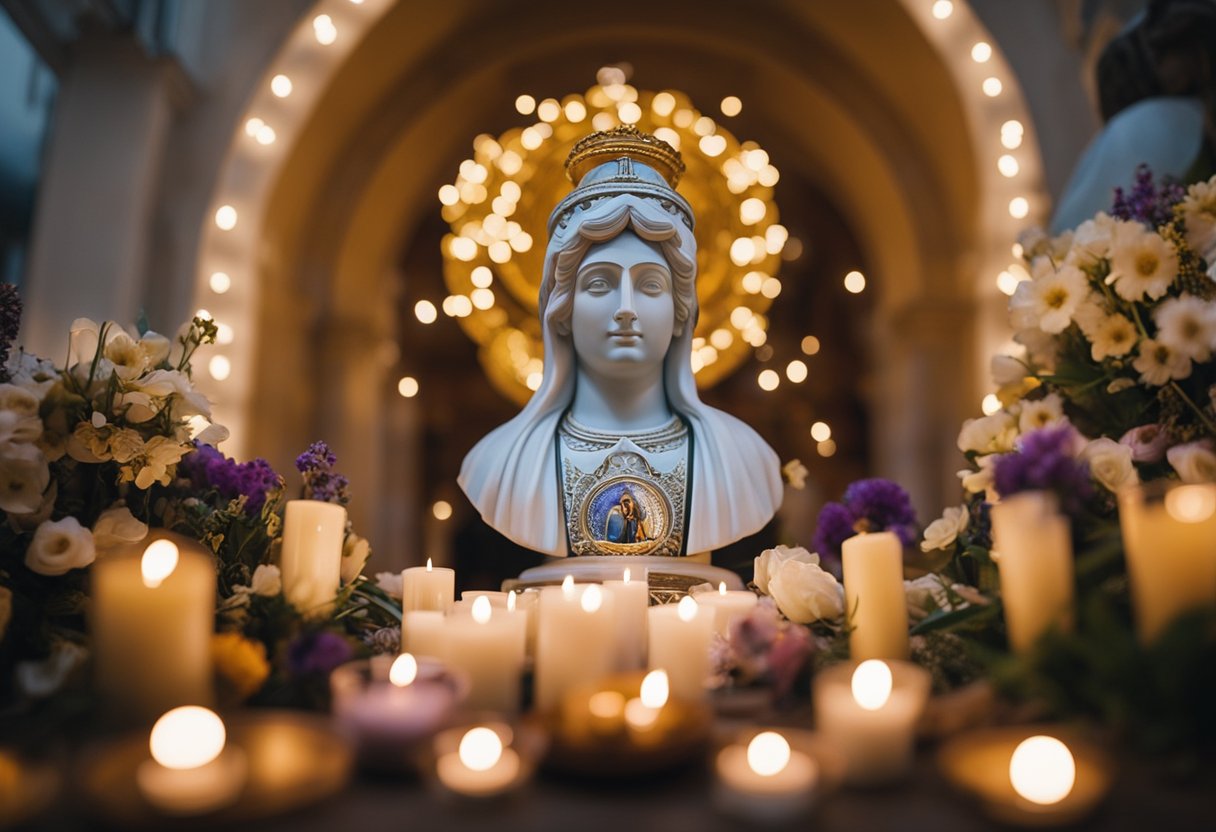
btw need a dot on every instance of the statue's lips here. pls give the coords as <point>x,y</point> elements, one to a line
<point>625,333</point>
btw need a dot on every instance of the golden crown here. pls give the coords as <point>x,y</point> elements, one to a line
<point>624,141</point>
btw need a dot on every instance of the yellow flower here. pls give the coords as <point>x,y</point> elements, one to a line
<point>239,663</point>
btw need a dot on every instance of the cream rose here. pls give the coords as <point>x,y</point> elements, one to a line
<point>1195,462</point>
<point>989,434</point>
<point>1110,463</point>
<point>267,580</point>
<point>770,559</point>
<point>804,592</point>
<point>117,527</point>
<point>60,546</point>
<point>24,476</point>
<point>390,583</point>
<point>943,531</point>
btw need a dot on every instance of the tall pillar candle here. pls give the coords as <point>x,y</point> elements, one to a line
<point>575,643</point>
<point>1169,535</point>
<point>680,635</point>
<point>631,597</point>
<point>152,616</point>
<point>1032,546</point>
<point>875,605</point>
<point>422,633</point>
<point>488,645</point>
<point>311,555</point>
<point>428,587</point>
<point>728,605</point>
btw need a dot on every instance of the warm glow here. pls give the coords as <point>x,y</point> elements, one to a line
<point>225,218</point>
<point>991,87</point>
<point>991,404</point>
<point>872,684</point>
<point>1008,166</point>
<point>159,561</point>
<point>533,381</point>
<point>796,371</point>
<point>442,511</point>
<point>753,282</point>
<point>721,339</point>
<point>482,277</point>
<point>511,601</point>
<point>408,387</point>
<point>425,312</point>
<point>1042,770</point>
<point>721,587</point>
<point>943,9</point>
<point>687,608</point>
<point>575,111</point>
<point>768,753</point>
<point>607,704</point>
<point>826,448</point>
<point>463,248</point>
<point>855,282</point>
<point>713,145</point>
<point>480,749</point>
<point>655,689</point>
<point>482,610</point>
<point>220,282</point>
<point>981,52</point>
<point>1007,282</point>
<point>663,104</point>
<point>768,380</point>
<point>568,586</point>
<point>810,345</point>
<point>482,299</point>
<point>731,106</point>
<point>525,105</point>
<point>219,367</point>
<point>629,112</point>
<point>449,195</point>
<point>429,566</point>
<point>280,85</point>
<point>265,135</point>
<point>752,210</point>
<point>593,598</point>
<point>625,578</point>
<point>187,737</point>
<point>770,288</point>
<point>1019,207</point>
<point>224,334</point>
<point>252,126</point>
<point>821,432</point>
<point>404,670</point>
<point>324,30</point>
<point>1191,503</point>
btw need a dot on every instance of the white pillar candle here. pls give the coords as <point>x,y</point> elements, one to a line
<point>680,635</point>
<point>428,587</point>
<point>152,619</point>
<point>1169,536</point>
<point>575,643</point>
<point>631,598</point>
<point>422,633</point>
<point>1032,547</point>
<point>869,712</point>
<point>488,645</point>
<point>311,555</point>
<point>527,604</point>
<point>875,605</point>
<point>728,605</point>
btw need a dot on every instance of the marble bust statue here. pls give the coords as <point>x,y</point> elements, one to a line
<point>615,453</point>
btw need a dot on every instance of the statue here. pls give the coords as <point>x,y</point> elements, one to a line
<point>615,454</point>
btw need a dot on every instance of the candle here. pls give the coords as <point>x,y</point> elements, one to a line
<point>869,711</point>
<point>1169,535</point>
<point>191,771</point>
<point>575,643</point>
<point>630,601</point>
<point>642,712</point>
<point>1042,770</point>
<point>1032,547</point>
<point>152,620</point>
<point>483,765</point>
<point>428,588</point>
<point>875,604</point>
<point>680,636</point>
<point>765,779</point>
<point>728,605</point>
<point>422,633</point>
<point>489,647</point>
<point>311,556</point>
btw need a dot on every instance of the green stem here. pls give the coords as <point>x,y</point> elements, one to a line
<point>1198,411</point>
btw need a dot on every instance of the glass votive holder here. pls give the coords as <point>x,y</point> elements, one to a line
<point>774,775</point>
<point>483,759</point>
<point>868,711</point>
<point>1169,538</point>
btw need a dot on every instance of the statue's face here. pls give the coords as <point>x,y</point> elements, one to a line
<point>623,316</point>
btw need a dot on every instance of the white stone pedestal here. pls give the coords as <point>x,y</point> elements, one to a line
<point>669,578</point>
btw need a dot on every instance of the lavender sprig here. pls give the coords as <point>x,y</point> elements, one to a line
<point>1146,202</point>
<point>872,505</point>
<point>321,482</point>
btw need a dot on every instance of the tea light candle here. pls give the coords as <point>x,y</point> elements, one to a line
<point>489,647</point>
<point>152,619</point>
<point>680,636</point>
<point>765,779</point>
<point>869,711</point>
<point>642,712</point>
<point>631,598</point>
<point>311,555</point>
<point>1042,770</point>
<point>482,766</point>
<point>874,596</point>
<point>383,715</point>
<point>428,587</point>
<point>422,633</point>
<point>728,605</point>
<point>191,772</point>
<point>1032,547</point>
<point>575,642</point>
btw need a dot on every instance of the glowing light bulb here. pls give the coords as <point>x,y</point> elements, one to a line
<point>225,218</point>
<point>821,431</point>
<point>1042,770</point>
<point>425,312</point>
<point>442,510</point>
<point>480,749</point>
<point>407,387</point>
<point>404,670</point>
<point>796,371</point>
<point>943,9</point>
<point>1008,166</point>
<point>768,380</point>
<point>731,106</point>
<point>1019,207</point>
<point>992,87</point>
<point>187,737</point>
<point>855,282</point>
<point>281,86</point>
<point>220,282</point>
<point>768,753</point>
<point>525,105</point>
<point>981,52</point>
<point>872,684</point>
<point>158,563</point>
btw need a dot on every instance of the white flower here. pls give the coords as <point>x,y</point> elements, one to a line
<point>211,435</point>
<point>989,434</point>
<point>1158,363</point>
<point>84,339</point>
<point>981,480</point>
<point>88,444</point>
<point>124,352</point>
<point>795,474</point>
<point>33,374</point>
<point>1042,349</point>
<point>1048,410</point>
<point>1110,463</point>
<point>1055,297</point>
<point>770,560</point>
<point>1112,336</point>
<point>1007,370</point>
<point>1199,215</point>
<point>390,583</point>
<point>804,592</point>
<point>1091,242</point>
<point>117,527</point>
<point>1195,462</point>
<point>60,546</point>
<point>125,444</point>
<point>155,347</point>
<point>267,580</point>
<point>19,422</point>
<point>160,454</point>
<point>1142,262</point>
<point>928,593</point>
<point>943,531</point>
<point>24,476</point>
<point>42,678</point>
<point>1187,325</point>
<point>355,552</point>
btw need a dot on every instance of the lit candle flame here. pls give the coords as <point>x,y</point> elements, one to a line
<point>187,737</point>
<point>1190,503</point>
<point>593,597</point>
<point>768,753</point>
<point>429,567</point>
<point>607,704</point>
<point>159,561</point>
<point>1042,770</point>
<point>872,684</point>
<point>722,587</point>
<point>568,586</point>
<point>511,601</point>
<point>655,689</point>
<point>687,608</point>
<point>404,670</point>
<point>626,575</point>
<point>481,610</point>
<point>480,749</point>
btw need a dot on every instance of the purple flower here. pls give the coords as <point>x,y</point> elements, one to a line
<point>1046,461</point>
<point>10,324</point>
<point>1146,203</point>
<point>1148,442</point>
<point>317,653</point>
<point>834,527</point>
<point>763,645</point>
<point>321,482</point>
<point>207,467</point>
<point>872,505</point>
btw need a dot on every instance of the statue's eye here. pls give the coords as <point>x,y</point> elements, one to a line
<point>596,285</point>
<point>654,283</point>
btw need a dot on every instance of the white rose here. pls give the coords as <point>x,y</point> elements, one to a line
<point>1195,462</point>
<point>943,531</point>
<point>928,593</point>
<point>24,476</point>
<point>41,679</point>
<point>60,546</point>
<point>117,527</point>
<point>390,583</point>
<point>1110,463</point>
<point>981,481</point>
<point>267,580</point>
<point>771,559</point>
<point>1048,410</point>
<point>805,593</point>
<point>989,434</point>
<point>355,552</point>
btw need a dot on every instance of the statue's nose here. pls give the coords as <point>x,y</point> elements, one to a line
<point>625,312</point>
